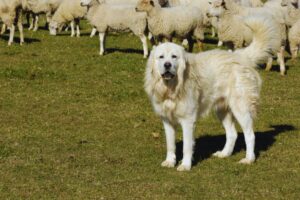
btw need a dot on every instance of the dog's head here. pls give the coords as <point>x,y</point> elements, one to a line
<point>167,61</point>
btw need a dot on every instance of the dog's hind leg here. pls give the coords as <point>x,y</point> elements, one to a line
<point>226,118</point>
<point>245,120</point>
<point>170,139</point>
<point>188,144</point>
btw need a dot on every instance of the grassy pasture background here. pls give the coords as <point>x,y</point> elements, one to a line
<point>74,125</point>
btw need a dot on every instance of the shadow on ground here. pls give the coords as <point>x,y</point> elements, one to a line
<point>17,39</point>
<point>127,50</point>
<point>206,145</point>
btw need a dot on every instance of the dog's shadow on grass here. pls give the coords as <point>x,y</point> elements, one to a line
<point>206,145</point>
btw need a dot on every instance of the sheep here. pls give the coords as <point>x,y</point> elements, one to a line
<point>181,21</point>
<point>36,7</point>
<point>134,2</point>
<point>163,3</point>
<point>294,39</point>
<point>11,14</point>
<point>105,16</point>
<point>3,29</point>
<point>68,11</point>
<point>292,14</point>
<point>229,29</point>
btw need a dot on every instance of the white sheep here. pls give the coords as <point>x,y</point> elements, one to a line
<point>36,7</point>
<point>229,29</point>
<point>181,21</point>
<point>294,39</point>
<point>105,16</point>
<point>163,3</point>
<point>68,11</point>
<point>292,14</point>
<point>10,14</point>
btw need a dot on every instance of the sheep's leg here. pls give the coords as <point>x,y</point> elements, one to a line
<point>77,30</point>
<point>145,46</point>
<point>20,26</point>
<point>269,64</point>
<point>11,34</point>
<point>101,38</point>
<point>191,44</point>
<point>77,21</point>
<point>72,29</point>
<point>3,29</point>
<point>220,43</point>
<point>213,32</point>
<point>150,36</point>
<point>30,21</point>
<point>294,53</point>
<point>280,56</point>
<point>93,33</point>
<point>160,39</point>
<point>48,19</point>
<point>36,23</point>
<point>200,45</point>
<point>66,28</point>
<point>184,42</point>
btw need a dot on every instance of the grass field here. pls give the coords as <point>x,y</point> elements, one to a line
<point>74,125</point>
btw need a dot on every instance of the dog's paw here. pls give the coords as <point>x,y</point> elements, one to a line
<point>247,161</point>
<point>182,168</point>
<point>168,164</point>
<point>220,154</point>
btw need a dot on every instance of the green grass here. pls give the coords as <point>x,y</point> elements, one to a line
<point>74,125</point>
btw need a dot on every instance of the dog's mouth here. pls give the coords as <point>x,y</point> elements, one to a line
<point>168,75</point>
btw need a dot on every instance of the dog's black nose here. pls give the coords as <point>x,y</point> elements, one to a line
<point>167,65</point>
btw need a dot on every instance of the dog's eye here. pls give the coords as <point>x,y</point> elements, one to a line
<point>174,56</point>
<point>161,57</point>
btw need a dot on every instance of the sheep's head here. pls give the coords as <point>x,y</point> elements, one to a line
<point>85,2</point>
<point>294,3</point>
<point>216,8</point>
<point>144,5</point>
<point>55,27</point>
<point>91,2</point>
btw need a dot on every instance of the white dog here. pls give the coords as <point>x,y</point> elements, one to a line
<point>183,86</point>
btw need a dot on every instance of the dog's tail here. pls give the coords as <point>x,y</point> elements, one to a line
<point>266,38</point>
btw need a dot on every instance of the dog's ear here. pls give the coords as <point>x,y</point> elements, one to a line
<point>150,75</point>
<point>181,71</point>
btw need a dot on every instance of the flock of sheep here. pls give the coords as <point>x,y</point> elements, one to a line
<point>159,20</point>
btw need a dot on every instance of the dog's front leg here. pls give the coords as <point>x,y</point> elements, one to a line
<point>170,138</point>
<point>188,144</point>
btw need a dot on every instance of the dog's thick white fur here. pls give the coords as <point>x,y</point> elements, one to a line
<point>184,86</point>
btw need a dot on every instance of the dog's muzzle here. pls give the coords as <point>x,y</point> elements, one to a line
<point>168,75</point>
